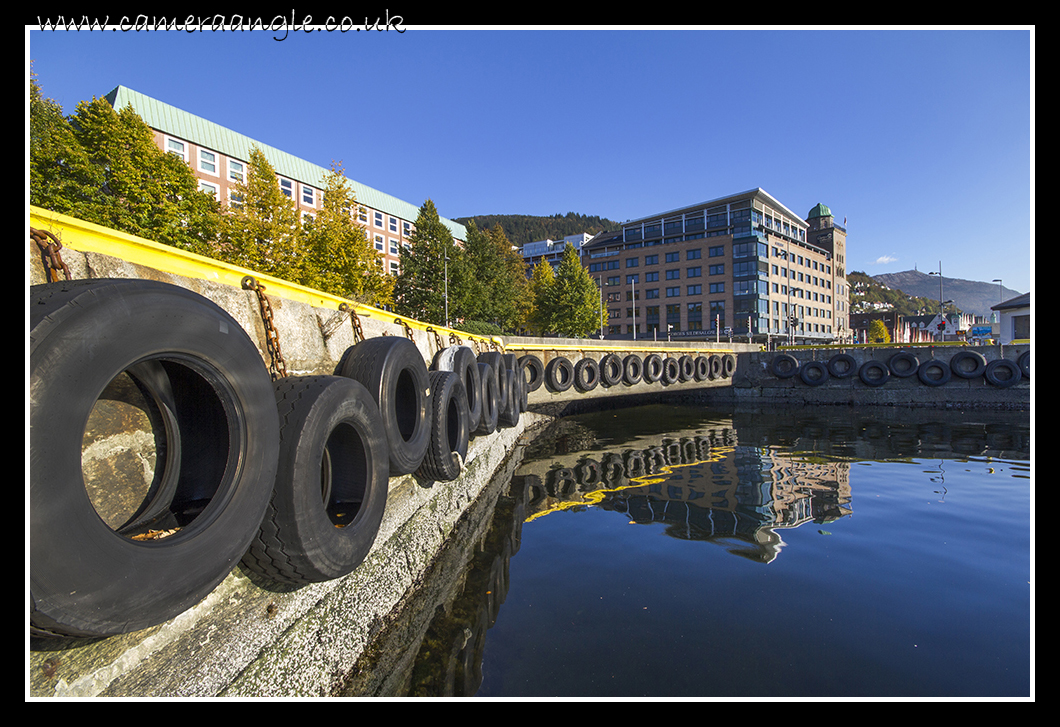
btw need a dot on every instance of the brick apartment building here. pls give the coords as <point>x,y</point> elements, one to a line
<point>219,156</point>
<point>738,265</point>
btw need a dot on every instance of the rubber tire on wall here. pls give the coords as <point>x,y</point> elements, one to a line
<point>842,365</point>
<point>611,370</point>
<point>521,390</point>
<point>391,368</point>
<point>728,366</point>
<point>461,359</point>
<point>586,374</point>
<point>1002,363</point>
<point>559,374</point>
<point>509,417</point>
<point>85,578</point>
<point>923,372</point>
<point>653,367</point>
<point>1024,362</point>
<point>504,396</point>
<point>331,483</point>
<point>490,408</point>
<point>872,365</point>
<point>687,366</point>
<point>532,365</point>
<point>450,430</point>
<point>903,364</point>
<point>632,369</point>
<point>702,368</point>
<point>784,366</point>
<point>813,373</point>
<point>715,366</point>
<point>957,364</point>
<point>671,371</point>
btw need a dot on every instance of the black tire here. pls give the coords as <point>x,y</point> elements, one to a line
<point>632,369</point>
<point>842,365</point>
<point>715,367</point>
<point>728,366</point>
<point>559,374</point>
<point>509,417</point>
<point>903,364</point>
<point>1024,362</point>
<point>331,482</point>
<point>874,373</point>
<point>586,374</point>
<point>813,373</point>
<point>934,372</point>
<point>611,370</point>
<point>209,399</point>
<point>496,362</point>
<point>393,371</point>
<point>967,364</point>
<point>535,370</point>
<point>687,366</point>
<point>671,371</point>
<point>522,390</point>
<point>653,367</point>
<point>1002,373</point>
<point>784,366</point>
<point>461,359</point>
<point>702,368</point>
<point>450,431</point>
<point>490,407</point>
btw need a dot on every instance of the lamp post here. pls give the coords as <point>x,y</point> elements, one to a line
<point>939,273</point>
<point>446,267</point>
<point>1000,293</point>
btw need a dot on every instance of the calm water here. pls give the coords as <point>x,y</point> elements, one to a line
<point>672,552</point>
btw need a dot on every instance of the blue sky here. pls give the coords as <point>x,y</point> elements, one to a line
<point>922,139</point>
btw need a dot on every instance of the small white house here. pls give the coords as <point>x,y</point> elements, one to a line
<point>1014,320</point>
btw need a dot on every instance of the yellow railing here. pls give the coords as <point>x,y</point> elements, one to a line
<point>89,237</point>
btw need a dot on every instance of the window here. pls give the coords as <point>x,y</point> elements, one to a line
<point>694,254</point>
<point>653,293</point>
<point>613,280</point>
<point>673,292</point>
<point>632,262</point>
<point>695,290</point>
<point>287,187</point>
<point>694,272</point>
<point>718,251</point>
<point>174,146</point>
<point>632,279</point>
<point>378,219</point>
<point>379,243</point>
<point>308,196</point>
<point>236,171</point>
<point>717,287</point>
<point>651,277</point>
<point>235,199</point>
<point>393,246</point>
<point>673,274</point>
<point>651,259</point>
<point>673,257</point>
<point>406,227</point>
<point>717,269</point>
<point>207,162</point>
<point>209,188</point>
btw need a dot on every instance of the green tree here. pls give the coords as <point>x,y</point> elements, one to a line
<point>542,294</point>
<point>261,230</point>
<point>61,176</point>
<point>421,286</point>
<point>339,258</point>
<point>576,299</point>
<point>146,192</point>
<point>878,332</point>
<point>496,289</point>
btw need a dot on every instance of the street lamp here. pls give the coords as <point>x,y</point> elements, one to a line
<point>1000,293</point>
<point>446,267</point>
<point>939,273</point>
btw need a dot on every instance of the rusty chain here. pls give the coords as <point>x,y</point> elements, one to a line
<point>53,261</point>
<point>408,329</point>
<point>355,321</point>
<point>277,367</point>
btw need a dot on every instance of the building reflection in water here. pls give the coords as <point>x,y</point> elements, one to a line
<point>701,481</point>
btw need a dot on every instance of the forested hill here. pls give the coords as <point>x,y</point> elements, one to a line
<point>521,229</point>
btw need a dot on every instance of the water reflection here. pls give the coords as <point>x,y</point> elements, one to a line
<point>736,480</point>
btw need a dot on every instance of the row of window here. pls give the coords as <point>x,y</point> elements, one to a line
<point>234,172</point>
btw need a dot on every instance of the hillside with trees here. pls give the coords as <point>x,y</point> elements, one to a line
<point>868,295</point>
<point>521,229</point>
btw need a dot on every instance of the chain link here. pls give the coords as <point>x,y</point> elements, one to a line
<point>53,261</point>
<point>408,329</point>
<point>277,367</point>
<point>355,321</point>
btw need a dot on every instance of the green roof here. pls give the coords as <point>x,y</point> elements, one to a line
<point>819,211</point>
<point>171,120</point>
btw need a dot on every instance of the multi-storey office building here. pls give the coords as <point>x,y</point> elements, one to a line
<point>218,157</point>
<point>738,265</point>
<point>552,250</point>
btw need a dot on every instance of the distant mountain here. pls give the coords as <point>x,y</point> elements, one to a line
<point>521,229</point>
<point>968,295</point>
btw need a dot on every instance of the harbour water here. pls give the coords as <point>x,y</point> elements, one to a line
<point>666,551</point>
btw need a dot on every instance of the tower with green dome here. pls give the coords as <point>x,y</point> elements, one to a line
<point>823,232</point>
